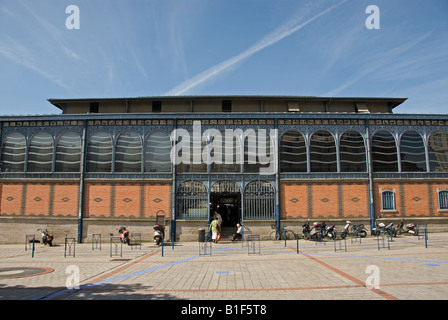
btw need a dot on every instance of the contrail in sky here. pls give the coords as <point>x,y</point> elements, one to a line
<point>268,40</point>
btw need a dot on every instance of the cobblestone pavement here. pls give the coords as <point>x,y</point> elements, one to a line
<point>266,270</point>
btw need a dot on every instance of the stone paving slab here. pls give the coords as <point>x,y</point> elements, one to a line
<point>406,271</point>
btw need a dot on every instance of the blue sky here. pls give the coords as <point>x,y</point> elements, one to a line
<point>130,48</point>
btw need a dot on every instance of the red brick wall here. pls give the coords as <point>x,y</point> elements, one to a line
<point>412,198</point>
<point>127,200</point>
<point>329,199</point>
<point>39,199</point>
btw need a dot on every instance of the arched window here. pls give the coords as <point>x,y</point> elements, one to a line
<point>40,154</point>
<point>99,152</point>
<point>258,151</point>
<point>189,148</point>
<point>352,152</point>
<point>192,200</point>
<point>412,152</point>
<point>157,152</point>
<point>438,151</point>
<point>259,200</point>
<point>384,152</point>
<point>323,152</point>
<point>293,152</point>
<point>228,145</point>
<point>128,153</point>
<point>68,152</point>
<point>13,152</point>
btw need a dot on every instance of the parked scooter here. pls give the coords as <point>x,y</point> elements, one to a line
<point>159,234</point>
<point>358,230</point>
<point>46,237</point>
<point>383,228</point>
<point>306,231</point>
<point>390,229</point>
<point>411,228</point>
<point>328,231</point>
<point>124,235</point>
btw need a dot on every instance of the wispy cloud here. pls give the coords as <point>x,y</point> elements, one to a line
<point>287,29</point>
<point>54,32</point>
<point>389,65</point>
<point>13,50</point>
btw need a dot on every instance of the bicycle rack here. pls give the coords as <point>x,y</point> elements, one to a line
<point>383,244</point>
<point>425,234</point>
<point>116,241</point>
<point>136,240</point>
<point>96,241</point>
<point>251,244</point>
<point>354,237</point>
<point>335,239</point>
<point>69,243</point>
<point>205,245</point>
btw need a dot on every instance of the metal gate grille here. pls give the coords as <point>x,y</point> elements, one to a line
<point>192,200</point>
<point>225,187</point>
<point>259,200</point>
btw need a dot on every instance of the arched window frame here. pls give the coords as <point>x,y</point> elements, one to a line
<point>35,156</point>
<point>376,163</point>
<point>360,165</point>
<point>12,161</point>
<point>316,163</point>
<point>406,165</point>
<point>106,162</point>
<point>68,166</point>
<point>125,160</point>
<point>165,162</point>
<point>289,165</point>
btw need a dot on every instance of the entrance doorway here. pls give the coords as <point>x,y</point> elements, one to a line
<point>225,198</point>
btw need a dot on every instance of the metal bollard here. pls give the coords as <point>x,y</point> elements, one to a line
<point>297,239</point>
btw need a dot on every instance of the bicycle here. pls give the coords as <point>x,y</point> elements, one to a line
<point>276,234</point>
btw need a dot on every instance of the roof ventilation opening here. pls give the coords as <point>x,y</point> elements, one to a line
<point>293,107</point>
<point>361,108</point>
<point>226,106</point>
<point>94,107</point>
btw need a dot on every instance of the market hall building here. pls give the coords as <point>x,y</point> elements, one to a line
<point>258,160</point>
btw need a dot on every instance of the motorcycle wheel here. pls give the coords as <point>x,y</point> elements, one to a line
<point>306,236</point>
<point>362,233</point>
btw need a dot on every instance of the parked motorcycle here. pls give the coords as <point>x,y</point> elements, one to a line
<point>46,237</point>
<point>159,234</point>
<point>383,228</point>
<point>329,231</point>
<point>316,230</point>
<point>390,229</point>
<point>124,235</point>
<point>306,231</point>
<point>411,228</point>
<point>358,230</point>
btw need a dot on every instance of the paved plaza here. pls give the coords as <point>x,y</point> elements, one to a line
<point>405,269</point>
